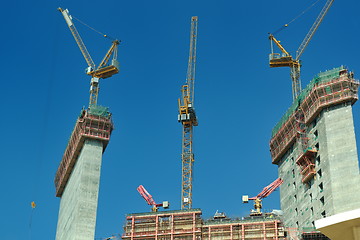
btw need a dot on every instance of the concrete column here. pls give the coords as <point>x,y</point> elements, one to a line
<point>78,204</point>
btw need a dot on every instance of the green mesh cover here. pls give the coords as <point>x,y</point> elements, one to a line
<point>99,111</point>
<point>322,77</point>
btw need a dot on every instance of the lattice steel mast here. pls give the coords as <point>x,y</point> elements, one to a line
<point>188,119</point>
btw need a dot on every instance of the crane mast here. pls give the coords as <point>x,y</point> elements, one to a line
<point>104,70</point>
<point>286,60</point>
<point>188,119</point>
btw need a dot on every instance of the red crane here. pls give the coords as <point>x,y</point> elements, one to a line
<point>149,199</point>
<point>263,194</point>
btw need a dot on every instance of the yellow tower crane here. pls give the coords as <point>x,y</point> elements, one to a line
<point>103,70</point>
<point>188,119</point>
<point>286,60</point>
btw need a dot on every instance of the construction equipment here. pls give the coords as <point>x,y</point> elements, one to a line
<point>286,60</point>
<point>103,70</point>
<point>263,194</point>
<point>149,199</point>
<point>188,119</point>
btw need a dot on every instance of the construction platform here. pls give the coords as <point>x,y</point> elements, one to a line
<point>325,89</point>
<point>93,123</point>
<point>189,225</point>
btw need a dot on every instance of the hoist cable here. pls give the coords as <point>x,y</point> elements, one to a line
<point>302,13</point>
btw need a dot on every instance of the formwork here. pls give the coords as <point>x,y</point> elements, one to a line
<point>188,224</point>
<point>326,89</point>
<point>93,123</point>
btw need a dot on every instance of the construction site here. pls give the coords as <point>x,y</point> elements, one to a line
<point>313,146</point>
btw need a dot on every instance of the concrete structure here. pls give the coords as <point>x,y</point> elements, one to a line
<point>188,225</point>
<point>315,149</point>
<point>341,226</point>
<point>78,176</point>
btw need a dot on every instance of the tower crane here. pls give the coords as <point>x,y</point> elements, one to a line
<point>286,60</point>
<point>149,199</point>
<point>104,69</point>
<point>188,119</point>
<point>263,194</point>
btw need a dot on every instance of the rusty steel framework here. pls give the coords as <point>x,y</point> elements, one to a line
<point>188,225</point>
<point>89,125</point>
<point>341,89</point>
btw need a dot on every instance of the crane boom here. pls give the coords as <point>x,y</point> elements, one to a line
<point>146,195</point>
<point>190,79</point>
<point>268,189</point>
<point>77,37</point>
<point>313,29</point>
<point>149,199</point>
<point>188,119</point>
<point>263,194</point>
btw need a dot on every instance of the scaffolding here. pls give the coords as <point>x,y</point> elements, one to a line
<point>172,225</point>
<point>256,228</point>
<point>306,162</point>
<point>326,89</point>
<point>188,225</point>
<point>93,123</point>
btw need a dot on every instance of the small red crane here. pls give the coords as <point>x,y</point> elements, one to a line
<point>263,194</point>
<point>149,199</point>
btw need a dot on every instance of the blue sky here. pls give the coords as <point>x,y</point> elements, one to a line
<point>238,100</point>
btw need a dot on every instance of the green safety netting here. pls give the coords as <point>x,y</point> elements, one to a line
<point>322,77</point>
<point>99,111</point>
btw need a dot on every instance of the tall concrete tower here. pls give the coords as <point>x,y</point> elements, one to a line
<point>78,176</point>
<point>315,149</point>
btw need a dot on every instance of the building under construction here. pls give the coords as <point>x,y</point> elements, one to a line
<point>78,176</point>
<point>315,149</point>
<point>77,179</point>
<point>188,225</point>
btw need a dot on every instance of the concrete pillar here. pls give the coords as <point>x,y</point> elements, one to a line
<point>78,204</point>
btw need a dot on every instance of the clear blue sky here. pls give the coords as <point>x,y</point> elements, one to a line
<point>238,100</point>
